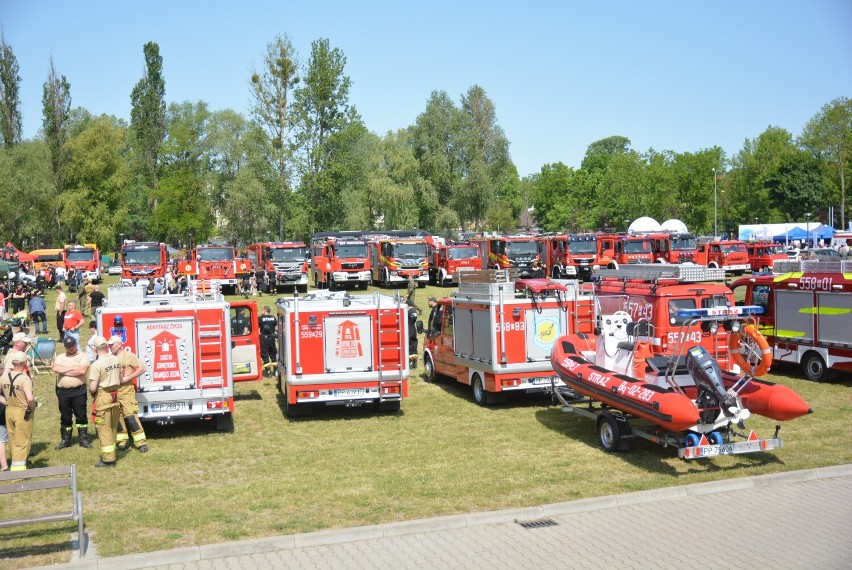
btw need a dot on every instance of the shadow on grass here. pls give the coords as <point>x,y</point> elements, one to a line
<point>59,543</point>
<point>839,378</point>
<point>336,413</point>
<point>643,454</point>
<point>251,395</point>
<point>513,399</point>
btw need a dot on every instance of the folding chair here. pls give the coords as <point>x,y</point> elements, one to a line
<point>42,352</point>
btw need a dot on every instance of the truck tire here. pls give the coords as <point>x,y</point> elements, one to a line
<point>814,367</point>
<point>297,410</point>
<point>477,386</point>
<point>428,368</point>
<point>556,273</point>
<point>302,288</point>
<point>389,406</point>
<point>225,422</point>
<point>363,285</point>
<point>331,285</point>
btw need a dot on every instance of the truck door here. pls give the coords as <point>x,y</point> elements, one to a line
<point>445,348</point>
<point>245,341</point>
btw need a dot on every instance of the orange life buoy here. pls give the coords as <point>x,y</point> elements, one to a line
<point>738,351</point>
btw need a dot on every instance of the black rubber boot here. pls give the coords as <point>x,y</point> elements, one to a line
<point>84,437</point>
<point>66,438</point>
<point>103,463</point>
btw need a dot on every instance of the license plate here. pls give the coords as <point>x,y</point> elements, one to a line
<point>167,407</point>
<point>346,392</point>
<point>538,381</point>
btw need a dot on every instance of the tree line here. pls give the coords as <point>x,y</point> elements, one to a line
<point>303,160</point>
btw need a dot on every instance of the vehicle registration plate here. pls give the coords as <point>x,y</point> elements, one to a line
<point>167,407</point>
<point>540,380</point>
<point>346,392</point>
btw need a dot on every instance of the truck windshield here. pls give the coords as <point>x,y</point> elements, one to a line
<point>48,257</point>
<point>347,250</point>
<point>471,252</point>
<point>409,250</point>
<point>684,244</point>
<point>522,248</point>
<point>141,257</point>
<point>576,247</point>
<point>637,246</point>
<point>733,248</point>
<point>776,249</point>
<point>80,254</point>
<point>215,254</point>
<point>288,254</point>
<point>677,304</point>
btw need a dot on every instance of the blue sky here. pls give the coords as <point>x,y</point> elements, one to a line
<point>680,76</point>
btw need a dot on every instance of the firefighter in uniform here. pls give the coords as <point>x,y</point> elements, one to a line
<point>267,324</point>
<point>71,368</point>
<point>412,334</point>
<point>16,391</point>
<point>104,379</point>
<point>20,343</point>
<point>131,368</point>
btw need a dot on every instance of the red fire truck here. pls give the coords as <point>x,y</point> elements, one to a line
<point>504,252</point>
<point>86,258</point>
<point>807,313</point>
<point>396,254</point>
<point>762,255</point>
<point>496,335</point>
<point>446,260</point>
<point>730,255</point>
<point>338,259</point>
<point>615,250</point>
<point>142,261</point>
<point>337,349</point>
<point>286,263</point>
<point>566,256</point>
<point>216,263</point>
<point>670,247</point>
<point>656,293</point>
<point>191,355</point>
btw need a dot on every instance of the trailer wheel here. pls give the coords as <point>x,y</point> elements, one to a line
<point>814,367</point>
<point>478,388</point>
<point>610,432</point>
<point>716,438</point>
<point>428,368</point>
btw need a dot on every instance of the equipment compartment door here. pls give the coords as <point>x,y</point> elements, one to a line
<point>348,343</point>
<point>245,342</point>
<point>542,330</point>
<point>167,349</point>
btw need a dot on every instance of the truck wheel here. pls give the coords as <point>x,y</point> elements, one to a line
<point>302,288</point>
<point>362,285</point>
<point>814,367</point>
<point>389,406</point>
<point>225,422</point>
<point>331,285</point>
<point>480,396</point>
<point>428,368</point>
<point>297,410</point>
<point>609,432</point>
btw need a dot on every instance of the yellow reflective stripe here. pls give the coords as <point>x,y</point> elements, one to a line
<point>785,276</point>
<point>122,436</point>
<point>825,311</point>
<point>107,448</point>
<point>18,467</point>
<point>789,334</point>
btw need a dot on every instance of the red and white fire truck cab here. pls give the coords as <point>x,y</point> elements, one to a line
<point>568,256</point>
<point>496,335</point>
<point>397,254</point>
<point>285,263</point>
<point>337,349</point>
<point>807,316</point>
<point>615,250</point>
<point>730,255</point>
<point>762,255</point>
<point>520,252</point>
<point>447,260</point>
<point>216,264</point>
<point>656,293</point>
<point>191,355</point>
<point>142,261</point>
<point>339,259</point>
<point>87,258</point>
<point>671,247</point>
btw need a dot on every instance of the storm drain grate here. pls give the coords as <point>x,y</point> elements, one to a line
<point>538,523</point>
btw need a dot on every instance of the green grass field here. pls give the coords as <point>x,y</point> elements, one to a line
<point>442,454</point>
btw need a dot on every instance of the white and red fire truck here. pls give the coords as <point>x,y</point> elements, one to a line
<point>337,349</point>
<point>496,335</point>
<point>807,316</point>
<point>396,254</point>
<point>215,264</point>
<point>191,355</point>
<point>447,260</point>
<point>730,255</point>
<point>285,263</point>
<point>339,259</point>
<point>142,261</point>
<point>87,258</point>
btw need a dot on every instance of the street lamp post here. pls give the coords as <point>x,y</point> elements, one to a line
<point>715,208</point>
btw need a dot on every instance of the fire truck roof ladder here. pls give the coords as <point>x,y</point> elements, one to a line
<point>392,345</point>
<point>814,266</point>
<point>653,272</point>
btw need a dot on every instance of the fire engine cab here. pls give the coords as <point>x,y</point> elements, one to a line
<point>519,252</point>
<point>285,263</point>
<point>339,259</point>
<point>762,255</point>
<point>193,349</point>
<point>496,334</point>
<point>216,263</point>
<point>447,260</point>
<point>661,295</point>
<point>808,313</point>
<point>143,261</point>
<point>397,254</point>
<point>87,258</point>
<point>337,349</point>
<point>615,250</point>
<point>730,255</point>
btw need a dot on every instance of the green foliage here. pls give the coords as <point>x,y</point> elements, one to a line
<point>148,113</point>
<point>10,99</point>
<point>27,190</point>
<point>56,107</point>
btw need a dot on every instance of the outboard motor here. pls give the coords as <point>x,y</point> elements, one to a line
<point>707,375</point>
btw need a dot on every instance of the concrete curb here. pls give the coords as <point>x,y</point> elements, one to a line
<point>337,536</point>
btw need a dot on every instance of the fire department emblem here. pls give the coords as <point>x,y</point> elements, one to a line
<point>545,331</point>
<point>348,343</point>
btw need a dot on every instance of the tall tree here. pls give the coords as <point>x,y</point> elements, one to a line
<point>11,123</point>
<point>56,108</point>
<point>148,114</point>
<point>28,195</point>
<point>829,136</point>
<point>271,88</point>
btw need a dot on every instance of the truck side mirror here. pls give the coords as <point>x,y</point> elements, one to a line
<point>418,326</point>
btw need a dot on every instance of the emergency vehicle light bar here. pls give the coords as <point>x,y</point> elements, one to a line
<point>813,266</point>
<point>714,312</point>
<point>652,272</point>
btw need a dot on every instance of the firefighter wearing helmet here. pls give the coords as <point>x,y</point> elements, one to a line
<point>131,368</point>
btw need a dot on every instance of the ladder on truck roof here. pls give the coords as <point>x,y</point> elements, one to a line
<point>392,344</point>
<point>653,272</point>
<point>813,266</point>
